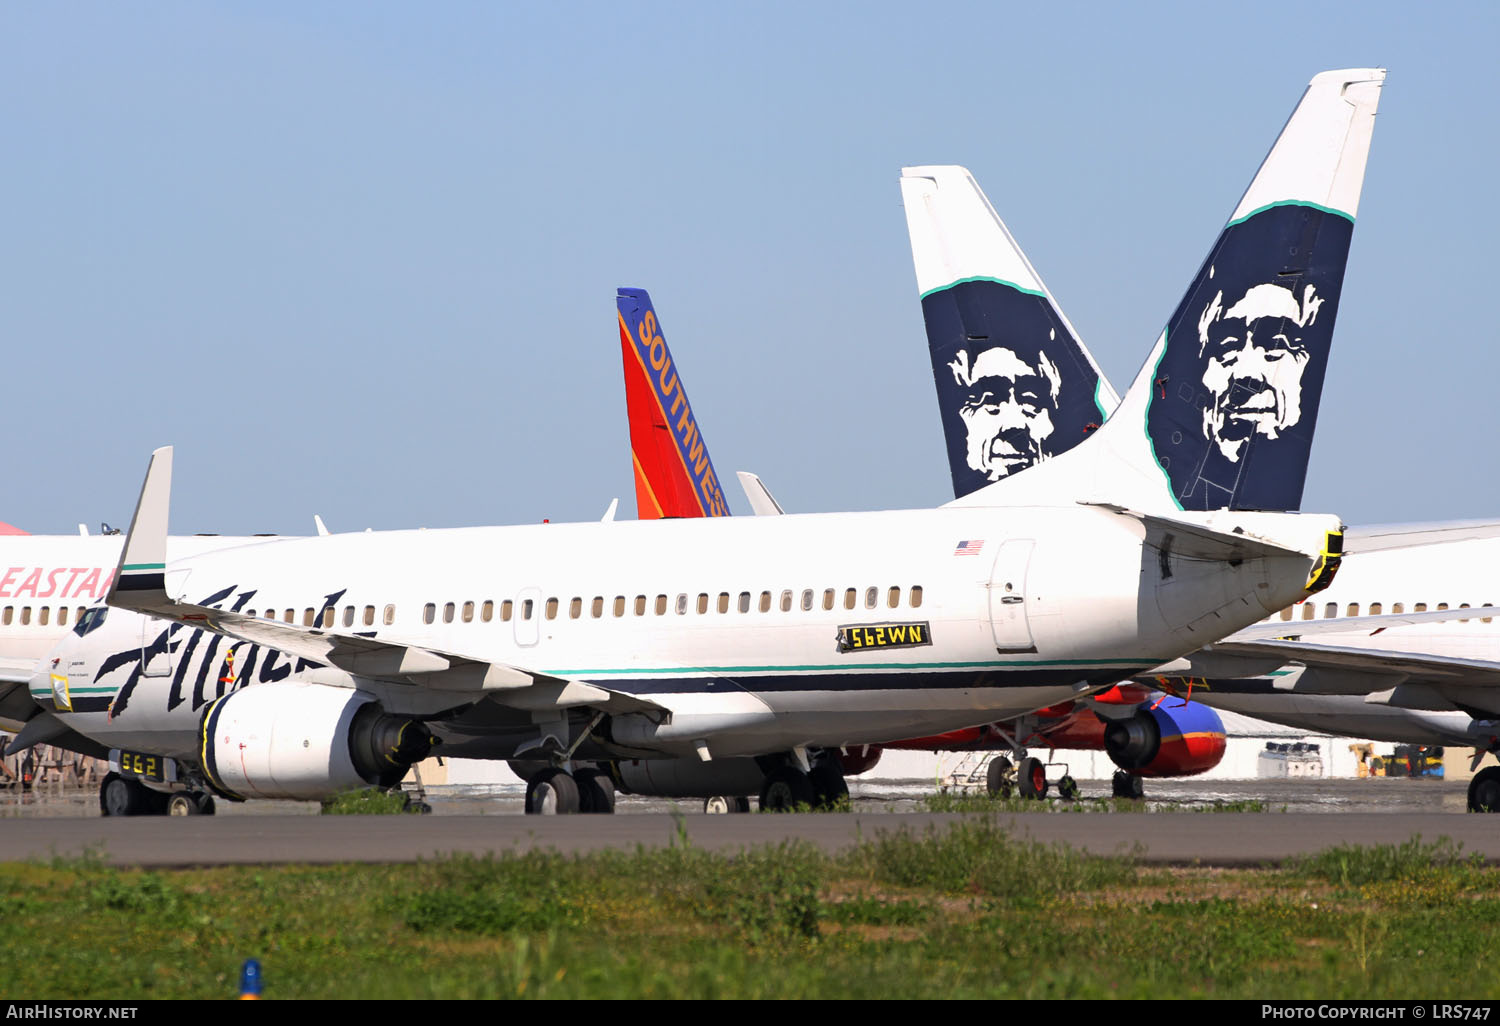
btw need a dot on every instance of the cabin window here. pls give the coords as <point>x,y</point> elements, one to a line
<point>916,596</point>
<point>369,617</point>
<point>851,596</point>
<point>893,598</point>
<point>1308,611</point>
<point>528,609</point>
<point>1397,607</point>
<point>1420,607</point>
<point>619,605</point>
<point>25,616</point>
<point>507,610</point>
<point>289,616</point>
<point>1486,619</point>
<point>348,616</point>
<point>62,616</point>
<point>827,598</point>
<point>1354,609</point>
<point>744,602</point>
<point>1375,608</point>
<point>78,614</point>
<point>765,602</point>
<point>8,615</point>
<point>468,612</point>
<point>487,611</point>
<point>552,608</point>
<point>575,608</point>
<point>41,616</point>
<point>1442,605</point>
<point>640,605</point>
<point>429,613</point>
<point>681,605</point>
<point>309,617</point>
<point>1463,619</point>
<point>1330,611</point>
<point>661,605</point>
<point>786,601</point>
<point>807,600</point>
<point>872,597</point>
<point>723,601</point>
<point>596,608</point>
<point>1286,614</point>
<point>703,602</point>
<point>448,611</point>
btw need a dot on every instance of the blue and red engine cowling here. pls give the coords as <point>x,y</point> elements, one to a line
<point>1164,736</point>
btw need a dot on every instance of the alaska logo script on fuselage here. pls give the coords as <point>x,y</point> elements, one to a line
<point>859,637</point>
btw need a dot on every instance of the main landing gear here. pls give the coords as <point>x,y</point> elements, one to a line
<point>555,791</point>
<point>788,788</point>
<point>1028,779</point>
<point>1484,790</point>
<point>124,796</point>
<point>1127,785</point>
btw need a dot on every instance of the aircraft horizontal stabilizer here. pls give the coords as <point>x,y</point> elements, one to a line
<point>1195,541</point>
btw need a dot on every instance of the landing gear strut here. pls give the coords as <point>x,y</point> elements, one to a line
<point>787,787</point>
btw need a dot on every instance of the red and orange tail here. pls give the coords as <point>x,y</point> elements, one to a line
<point>674,476</point>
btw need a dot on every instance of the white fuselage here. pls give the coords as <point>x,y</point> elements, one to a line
<point>733,626</point>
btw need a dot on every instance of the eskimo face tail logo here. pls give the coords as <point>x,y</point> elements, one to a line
<point>1013,384</point>
<point>1255,353</point>
<point>1234,400</point>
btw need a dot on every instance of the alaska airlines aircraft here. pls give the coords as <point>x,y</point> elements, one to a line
<point>999,423</point>
<point>707,638</point>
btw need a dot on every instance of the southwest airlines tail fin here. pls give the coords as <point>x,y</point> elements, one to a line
<point>1222,414</point>
<point>674,476</point>
<point>1014,383</point>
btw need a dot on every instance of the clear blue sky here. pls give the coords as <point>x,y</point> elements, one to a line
<point>360,259</point>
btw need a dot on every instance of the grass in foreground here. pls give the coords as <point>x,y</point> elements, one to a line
<point>969,912</point>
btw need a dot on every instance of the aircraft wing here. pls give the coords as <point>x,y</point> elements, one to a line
<point>1416,680</point>
<point>1294,630</point>
<point>1196,541</point>
<point>140,584</point>
<point>1404,536</point>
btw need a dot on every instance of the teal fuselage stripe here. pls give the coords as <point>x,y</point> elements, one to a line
<point>855,667</point>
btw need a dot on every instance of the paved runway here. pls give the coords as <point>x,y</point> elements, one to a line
<point>1224,839</point>
<point>1306,816</point>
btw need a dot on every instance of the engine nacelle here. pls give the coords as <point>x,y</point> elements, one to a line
<point>311,741</point>
<point>1176,739</point>
<point>688,778</point>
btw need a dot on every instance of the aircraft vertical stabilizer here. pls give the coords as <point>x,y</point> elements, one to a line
<point>1014,383</point>
<point>1222,414</point>
<point>674,476</point>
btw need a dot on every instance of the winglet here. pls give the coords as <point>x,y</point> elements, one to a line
<point>761,500</point>
<point>143,560</point>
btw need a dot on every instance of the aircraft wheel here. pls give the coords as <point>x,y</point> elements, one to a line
<point>121,797</point>
<point>1032,777</point>
<point>1000,779</point>
<point>1484,790</point>
<point>596,791</point>
<point>1067,788</point>
<point>785,789</point>
<point>1127,785</point>
<point>718,805</point>
<point>828,784</point>
<point>552,792</point>
<point>183,804</point>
